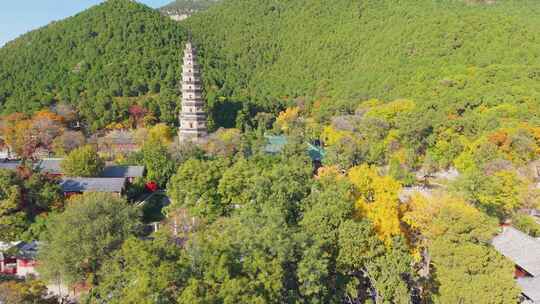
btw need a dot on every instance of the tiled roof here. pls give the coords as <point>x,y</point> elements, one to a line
<point>276,143</point>
<point>20,249</point>
<point>28,250</point>
<point>79,184</point>
<point>519,247</point>
<point>50,165</point>
<point>123,171</point>
<point>10,165</point>
<point>530,287</point>
<point>316,153</point>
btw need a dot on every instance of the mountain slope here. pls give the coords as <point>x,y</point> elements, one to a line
<point>94,60</point>
<point>450,56</point>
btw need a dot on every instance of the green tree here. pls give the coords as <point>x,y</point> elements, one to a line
<point>243,259</point>
<point>84,162</point>
<point>285,185</point>
<point>466,268</point>
<point>24,292</point>
<point>343,258</point>
<point>195,186</point>
<point>374,272</point>
<point>13,220</point>
<point>499,194</point>
<point>237,179</point>
<point>85,235</point>
<point>345,153</point>
<point>527,224</point>
<point>329,205</point>
<point>158,161</point>
<point>24,197</point>
<point>141,272</point>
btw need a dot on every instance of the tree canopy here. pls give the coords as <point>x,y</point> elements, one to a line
<point>26,198</point>
<point>83,161</point>
<point>79,240</point>
<point>397,93</point>
<point>100,61</point>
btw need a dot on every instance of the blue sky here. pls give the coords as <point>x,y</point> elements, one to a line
<point>20,16</point>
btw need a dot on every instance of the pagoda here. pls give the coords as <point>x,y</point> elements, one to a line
<point>193,119</point>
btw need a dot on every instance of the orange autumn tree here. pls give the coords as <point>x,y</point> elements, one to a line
<point>46,126</point>
<point>16,132</point>
<point>377,198</point>
<point>25,135</point>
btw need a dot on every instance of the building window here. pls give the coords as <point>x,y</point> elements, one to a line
<point>191,125</point>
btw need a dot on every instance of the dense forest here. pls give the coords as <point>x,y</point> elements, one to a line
<point>452,79</point>
<point>443,53</point>
<point>427,114</point>
<point>101,61</point>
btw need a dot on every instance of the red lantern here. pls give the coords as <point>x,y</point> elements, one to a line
<point>152,186</point>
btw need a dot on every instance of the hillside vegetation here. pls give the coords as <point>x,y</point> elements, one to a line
<point>449,56</point>
<point>461,76</point>
<point>440,51</point>
<point>100,60</point>
<point>439,95</point>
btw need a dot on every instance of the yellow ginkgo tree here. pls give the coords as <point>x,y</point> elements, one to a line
<point>377,198</point>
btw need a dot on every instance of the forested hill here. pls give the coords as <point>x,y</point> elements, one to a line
<point>451,56</point>
<point>96,60</point>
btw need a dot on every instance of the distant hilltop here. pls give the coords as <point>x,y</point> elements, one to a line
<point>182,9</point>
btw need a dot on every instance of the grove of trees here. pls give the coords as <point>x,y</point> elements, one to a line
<point>434,94</point>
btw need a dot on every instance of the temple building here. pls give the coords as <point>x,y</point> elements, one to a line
<point>193,121</point>
<point>524,251</point>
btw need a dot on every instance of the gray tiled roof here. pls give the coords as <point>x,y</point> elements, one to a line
<point>123,171</point>
<point>50,165</point>
<point>28,250</point>
<point>530,287</point>
<point>80,184</point>
<point>519,247</point>
<point>22,249</point>
<point>10,165</point>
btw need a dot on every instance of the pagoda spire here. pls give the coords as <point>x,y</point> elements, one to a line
<point>193,118</point>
